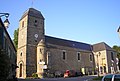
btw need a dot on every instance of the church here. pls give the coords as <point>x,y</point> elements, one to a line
<point>38,53</point>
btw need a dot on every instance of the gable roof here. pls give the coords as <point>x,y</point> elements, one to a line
<point>68,43</point>
<point>101,46</point>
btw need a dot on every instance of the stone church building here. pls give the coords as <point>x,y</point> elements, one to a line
<point>38,53</point>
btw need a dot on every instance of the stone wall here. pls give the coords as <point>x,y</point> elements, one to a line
<point>57,63</point>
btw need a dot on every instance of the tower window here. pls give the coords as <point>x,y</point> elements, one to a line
<point>36,22</point>
<point>22,23</point>
<point>21,54</point>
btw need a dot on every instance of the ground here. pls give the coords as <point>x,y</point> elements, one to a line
<point>84,78</point>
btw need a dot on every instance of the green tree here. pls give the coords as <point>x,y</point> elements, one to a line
<point>15,40</point>
<point>117,49</point>
<point>4,66</point>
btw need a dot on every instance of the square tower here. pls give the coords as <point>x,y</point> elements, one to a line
<point>31,31</point>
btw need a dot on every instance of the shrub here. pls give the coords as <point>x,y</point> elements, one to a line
<point>35,75</point>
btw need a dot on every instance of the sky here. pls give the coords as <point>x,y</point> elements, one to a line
<point>87,21</point>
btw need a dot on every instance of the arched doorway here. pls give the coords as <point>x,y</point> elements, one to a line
<point>20,75</point>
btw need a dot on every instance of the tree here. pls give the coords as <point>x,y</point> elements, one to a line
<point>4,66</point>
<point>15,40</point>
<point>117,49</point>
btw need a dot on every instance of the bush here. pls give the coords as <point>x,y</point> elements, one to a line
<point>35,75</point>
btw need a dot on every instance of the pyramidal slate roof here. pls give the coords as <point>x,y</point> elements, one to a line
<point>68,43</point>
<point>32,12</point>
<point>101,46</point>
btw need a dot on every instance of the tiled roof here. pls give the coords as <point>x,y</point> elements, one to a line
<point>101,46</point>
<point>68,43</point>
<point>32,12</point>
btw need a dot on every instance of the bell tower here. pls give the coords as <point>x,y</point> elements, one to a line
<point>31,31</point>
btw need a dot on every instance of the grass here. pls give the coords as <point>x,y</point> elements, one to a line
<point>98,78</point>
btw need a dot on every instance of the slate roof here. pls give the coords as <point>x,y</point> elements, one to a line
<point>68,43</point>
<point>3,27</point>
<point>101,46</point>
<point>32,12</point>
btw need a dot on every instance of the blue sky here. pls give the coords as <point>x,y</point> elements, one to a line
<point>88,21</point>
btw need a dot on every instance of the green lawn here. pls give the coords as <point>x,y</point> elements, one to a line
<point>98,78</point>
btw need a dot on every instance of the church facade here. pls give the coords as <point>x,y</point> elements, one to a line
<point>38,52</point>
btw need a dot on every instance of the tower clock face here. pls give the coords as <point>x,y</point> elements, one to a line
<point>36,35</point>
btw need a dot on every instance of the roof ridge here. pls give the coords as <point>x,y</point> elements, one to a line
<point>68,43</point>
<point>99,43</point>
<point>67,40</point>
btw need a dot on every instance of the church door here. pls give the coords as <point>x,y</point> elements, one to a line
<point>20,70</point>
